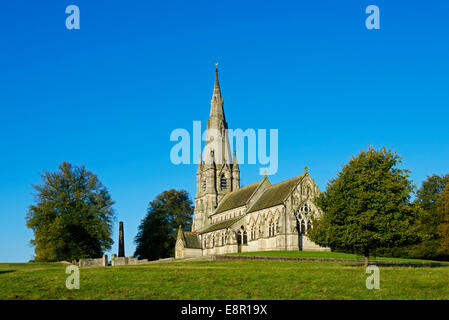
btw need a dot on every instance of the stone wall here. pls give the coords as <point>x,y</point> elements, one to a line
<point>306,244</point>
<point>188,253</point>
<point>100,262</point>
<point>119,261</point>
<point>127,261</point>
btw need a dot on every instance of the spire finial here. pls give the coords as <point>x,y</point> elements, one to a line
<point>217,84</point>
<point>305,169</point>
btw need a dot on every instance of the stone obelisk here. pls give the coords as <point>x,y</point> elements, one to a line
<point>121,241</point>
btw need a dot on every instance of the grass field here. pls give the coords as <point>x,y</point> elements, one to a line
<point>318,254</point>
<point>223,280</point>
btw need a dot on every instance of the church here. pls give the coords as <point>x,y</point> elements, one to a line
<point>258,217</point>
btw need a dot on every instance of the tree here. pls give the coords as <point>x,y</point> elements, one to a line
<point>429,219</point>
<point>157,232</point>
<point>367,206</point>
<point>442,205</point>
<point>72,217</point>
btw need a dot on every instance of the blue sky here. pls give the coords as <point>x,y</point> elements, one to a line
<point>109,95</point>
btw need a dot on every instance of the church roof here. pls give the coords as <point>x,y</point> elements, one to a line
<point>192,240</point>
<point>275,194</point>
<point>237,198</point>
<point>221,225</point>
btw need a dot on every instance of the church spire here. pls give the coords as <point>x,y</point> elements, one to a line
<point>216,107</point>
<point>217,91</point>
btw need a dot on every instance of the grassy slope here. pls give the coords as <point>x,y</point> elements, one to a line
<point>317,254</point>
<point>223,280</point>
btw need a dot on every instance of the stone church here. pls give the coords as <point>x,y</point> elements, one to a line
<point>257,217</point>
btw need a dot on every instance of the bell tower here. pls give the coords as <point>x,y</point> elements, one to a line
<point>217,174</point>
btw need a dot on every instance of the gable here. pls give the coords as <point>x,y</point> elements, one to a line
<point>237,198</point>
<point>275,194</point>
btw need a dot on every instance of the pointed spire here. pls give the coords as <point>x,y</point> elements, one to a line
<point>216,108</point>
<point>217,91</point>
<point>235,166</point>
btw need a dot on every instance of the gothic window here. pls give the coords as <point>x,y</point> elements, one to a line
<point>304,211</point>
<point>309,225</point>
<point>245,237</point>
<point>223,182</point>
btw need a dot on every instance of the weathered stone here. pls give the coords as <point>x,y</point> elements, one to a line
<point>121,241</point>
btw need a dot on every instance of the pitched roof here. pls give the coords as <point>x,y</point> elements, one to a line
<point>275,194</point>
<point>221,225</point>
<point>191,240</point>
<point>237,198</point>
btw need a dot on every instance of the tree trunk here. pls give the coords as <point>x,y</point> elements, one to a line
<point>366,254</point>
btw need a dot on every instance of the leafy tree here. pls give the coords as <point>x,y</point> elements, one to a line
<point>72,217</point>
<point>367,206</point>
<point>429,219</point>
<point>443,228</point>
<point>157,232</point>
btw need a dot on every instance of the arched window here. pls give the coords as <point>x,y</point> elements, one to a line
<point>223,182</point>
<point>245,237</point>
<point>304,212</point>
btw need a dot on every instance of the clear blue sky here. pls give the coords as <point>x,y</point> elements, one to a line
<point>109,95</point>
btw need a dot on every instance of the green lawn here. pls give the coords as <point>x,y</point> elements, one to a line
<point>223,280</point>
<point>318,254</point>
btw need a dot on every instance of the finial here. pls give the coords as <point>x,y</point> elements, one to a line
<point>305,169</point>
<point>216,65</point>
<point>265,173</point>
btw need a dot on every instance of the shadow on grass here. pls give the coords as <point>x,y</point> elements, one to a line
<point>401,265</point>
<point>6,271</point>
